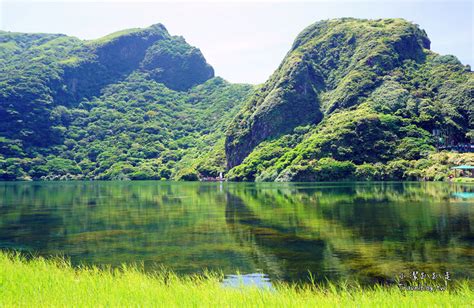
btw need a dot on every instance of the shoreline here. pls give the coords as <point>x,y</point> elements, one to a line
<point>453,181</point>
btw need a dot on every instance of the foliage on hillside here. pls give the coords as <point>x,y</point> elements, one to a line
<point>138,129</point>
<point>353,99</point>
<point>376,93</point>
<point>131,105</point>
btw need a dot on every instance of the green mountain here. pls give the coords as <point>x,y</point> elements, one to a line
<point>352,99</point>
<point>138,104</point>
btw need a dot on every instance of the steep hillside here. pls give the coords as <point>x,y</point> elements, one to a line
<point>129,105</point>
<point>41,71</point>
<point>352,99</point>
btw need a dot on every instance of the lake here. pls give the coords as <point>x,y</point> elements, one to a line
<point>370,232</point>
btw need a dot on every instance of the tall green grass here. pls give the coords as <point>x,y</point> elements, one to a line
<point>39,282</point>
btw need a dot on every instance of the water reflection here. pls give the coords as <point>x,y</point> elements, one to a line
<point>464,195</point>
<point>364,231</point>
<point>258,280</point>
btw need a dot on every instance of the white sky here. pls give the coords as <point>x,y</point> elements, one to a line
<point>244,41</point>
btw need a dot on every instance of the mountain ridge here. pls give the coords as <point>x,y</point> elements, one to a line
<point>143,104</point>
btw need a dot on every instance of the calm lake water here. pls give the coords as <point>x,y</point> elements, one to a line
<point>371,232</point>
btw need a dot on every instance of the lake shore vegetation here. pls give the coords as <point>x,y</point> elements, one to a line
<point>43,282</point>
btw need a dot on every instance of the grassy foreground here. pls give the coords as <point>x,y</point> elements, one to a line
<point>41,282</point>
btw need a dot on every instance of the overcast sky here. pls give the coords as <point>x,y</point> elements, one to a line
<point>244,41</point>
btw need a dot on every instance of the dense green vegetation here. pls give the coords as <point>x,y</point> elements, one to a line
<point>353,99</point>
<point>40,282</point>
<point>137,104</point>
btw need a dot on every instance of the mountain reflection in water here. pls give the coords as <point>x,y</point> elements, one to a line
<point>369,232</point>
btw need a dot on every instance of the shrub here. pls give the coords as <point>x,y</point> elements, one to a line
<point>325,169</point>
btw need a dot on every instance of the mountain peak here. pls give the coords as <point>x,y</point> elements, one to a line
<point>333,65</point>
<point>158,26</point>
<point>153,51</point>
<point>151,33</point>
<point>363,27</point>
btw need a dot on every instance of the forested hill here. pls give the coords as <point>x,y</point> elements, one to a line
<point>352,99</point>
<point>136,104</point>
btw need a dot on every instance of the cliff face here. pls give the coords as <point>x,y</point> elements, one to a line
<point>332,65</point>
<point>176,64</point>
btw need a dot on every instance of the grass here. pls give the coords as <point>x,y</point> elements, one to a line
<point>39,282</point>
<point>110,37</point>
